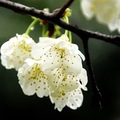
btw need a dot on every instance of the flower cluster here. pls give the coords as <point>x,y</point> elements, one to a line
<point>106,12</point>
<point>52,67</point>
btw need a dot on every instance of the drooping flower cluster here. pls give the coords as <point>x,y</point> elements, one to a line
<point>52,67</point>
<point>106,12</point>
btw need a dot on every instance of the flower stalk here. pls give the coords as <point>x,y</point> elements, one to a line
<point>31,26</point>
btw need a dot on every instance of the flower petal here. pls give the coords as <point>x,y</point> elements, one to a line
<point>75,99</point>
<point>83,78</point>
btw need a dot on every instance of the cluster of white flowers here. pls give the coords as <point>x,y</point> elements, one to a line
<point>106,12</point>
<point>52,67</point>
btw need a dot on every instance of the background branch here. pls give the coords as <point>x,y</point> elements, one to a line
<point>97,97</point>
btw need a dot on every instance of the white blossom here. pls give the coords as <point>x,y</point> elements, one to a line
<point>106,12</point>
<point>16,50</point>
<point>32,79</point>
<point>59,53</point>
<point>66,89</point>
<point>62,64</point>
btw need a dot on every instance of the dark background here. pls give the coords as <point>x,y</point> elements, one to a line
<point>105,59</point>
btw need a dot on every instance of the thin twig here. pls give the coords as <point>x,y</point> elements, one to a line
<point>63,8</point>
<point>96,92</point>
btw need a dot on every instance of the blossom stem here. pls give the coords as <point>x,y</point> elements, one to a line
<point>70,36</point>
<point>31,26</point>
<point>67,32</point>
<point>43,30</point>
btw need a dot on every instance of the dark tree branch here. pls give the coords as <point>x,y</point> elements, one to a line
<point>51,17</point>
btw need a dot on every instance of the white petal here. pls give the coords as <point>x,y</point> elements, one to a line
<point>72,63</point>
<point>75,99</point>
<point>83,78</point>
<point>54,78</point>
<point>42,47</point>
<point>86,8</point>
<point>69,83</point>
<point>60,102</point>
<point>63,37</point>
<point>77,51</point>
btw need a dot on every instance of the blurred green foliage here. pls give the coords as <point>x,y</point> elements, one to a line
<point>105,59</point>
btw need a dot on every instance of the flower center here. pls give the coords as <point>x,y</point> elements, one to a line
<point>36,73</point>
<point>24,47</point>
<point>60,51</point>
